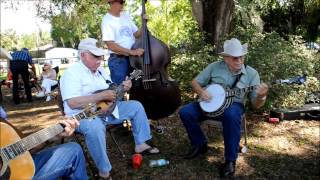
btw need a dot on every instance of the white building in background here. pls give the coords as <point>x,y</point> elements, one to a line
<point>58,56</point>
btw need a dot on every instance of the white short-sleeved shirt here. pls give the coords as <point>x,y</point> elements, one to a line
<point>78,80</point>
<point>118,29</point>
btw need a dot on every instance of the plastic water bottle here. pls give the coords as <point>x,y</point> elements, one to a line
<point>158,163</point>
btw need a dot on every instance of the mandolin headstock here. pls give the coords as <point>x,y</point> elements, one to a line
<point>136,74</point>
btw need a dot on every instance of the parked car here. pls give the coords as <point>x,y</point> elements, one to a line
<point>313,46</point>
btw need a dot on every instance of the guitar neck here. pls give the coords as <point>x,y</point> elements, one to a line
<point>13,150</point>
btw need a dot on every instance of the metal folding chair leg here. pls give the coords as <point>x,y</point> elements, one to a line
<point>244,149</point>
<point>218,124</point>
<point>115,142</point>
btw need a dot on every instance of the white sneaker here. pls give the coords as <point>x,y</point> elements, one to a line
<point>40,94</point>
<point>48,98</point>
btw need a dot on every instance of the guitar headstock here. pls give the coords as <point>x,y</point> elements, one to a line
<point>136,74</point>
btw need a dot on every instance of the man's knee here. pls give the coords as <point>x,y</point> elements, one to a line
<point>188,111</point>
<point>136,105</point>
<point>91,127</point>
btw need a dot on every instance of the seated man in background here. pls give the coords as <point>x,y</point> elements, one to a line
<point>49,78</point>
<point>230,72</point>
<point>62,161</point>
<point>86,82</point>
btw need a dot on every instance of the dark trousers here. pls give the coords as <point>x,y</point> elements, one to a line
<point>20,67</point>
<point>191,115</point>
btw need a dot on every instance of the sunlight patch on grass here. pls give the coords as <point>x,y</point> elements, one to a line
<point>34,109</point>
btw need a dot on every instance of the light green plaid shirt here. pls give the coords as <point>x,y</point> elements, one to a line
<point>219,73</point>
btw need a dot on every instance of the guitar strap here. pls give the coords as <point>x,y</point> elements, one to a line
<point>237,78</point>
<point>236,81</point>
<point>107,80</point>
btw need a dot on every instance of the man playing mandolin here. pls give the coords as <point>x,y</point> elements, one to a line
<point>86,82</point>
<point>232,73</point>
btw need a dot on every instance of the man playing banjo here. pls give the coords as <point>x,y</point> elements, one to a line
<point>229,73</point>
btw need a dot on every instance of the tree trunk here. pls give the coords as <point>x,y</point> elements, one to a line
<point>214,17</point>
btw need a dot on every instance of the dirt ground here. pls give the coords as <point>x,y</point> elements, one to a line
<point>286,150</point>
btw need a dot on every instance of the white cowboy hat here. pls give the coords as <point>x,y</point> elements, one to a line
<point>234,48</point>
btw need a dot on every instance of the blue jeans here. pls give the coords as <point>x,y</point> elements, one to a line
<point>95,131</point>
<point>191,115</point>
<point>119,68</point>
<point>66,160</point>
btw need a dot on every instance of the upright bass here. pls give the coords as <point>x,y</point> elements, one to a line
<point>159,94</point>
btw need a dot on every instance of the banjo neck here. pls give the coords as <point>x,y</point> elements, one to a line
<point>237,91</point>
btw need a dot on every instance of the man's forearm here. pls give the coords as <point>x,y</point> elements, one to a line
<point>138,33</point>
<point>33,68</point>
<point>83,101</point>
<point>196,87</point>
<point>259,102</point>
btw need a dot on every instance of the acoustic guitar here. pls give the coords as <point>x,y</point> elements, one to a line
<point>15,160</point>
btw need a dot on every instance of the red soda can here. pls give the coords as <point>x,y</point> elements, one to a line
<point>136,161</point>
<point>274,120</point>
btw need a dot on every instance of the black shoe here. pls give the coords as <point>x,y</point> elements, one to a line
<point>228,169</point>
<point>195,151</point>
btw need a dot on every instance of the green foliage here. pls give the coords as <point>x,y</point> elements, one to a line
<point>185,66</point>
<point>173,22</point>
<point>10,40</point>
<point>77,20</point>
<point>293,17</point>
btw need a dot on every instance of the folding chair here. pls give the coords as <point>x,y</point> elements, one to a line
<point>214,123</point>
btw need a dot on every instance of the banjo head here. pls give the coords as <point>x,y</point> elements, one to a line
<point>218,96</point>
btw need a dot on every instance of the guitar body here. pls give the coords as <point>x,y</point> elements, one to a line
<point>21,167</point>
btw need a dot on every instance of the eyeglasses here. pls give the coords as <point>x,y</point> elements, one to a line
<point>236,58</point>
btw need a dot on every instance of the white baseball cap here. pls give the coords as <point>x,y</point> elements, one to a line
<point>91,45</point>
<point>234,48</point>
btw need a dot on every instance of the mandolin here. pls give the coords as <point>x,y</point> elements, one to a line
<point>106,107</point>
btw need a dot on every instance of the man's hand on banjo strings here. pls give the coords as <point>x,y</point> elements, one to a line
<point>204,95</point>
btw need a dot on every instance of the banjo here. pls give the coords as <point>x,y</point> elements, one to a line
<point>222,97</point>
